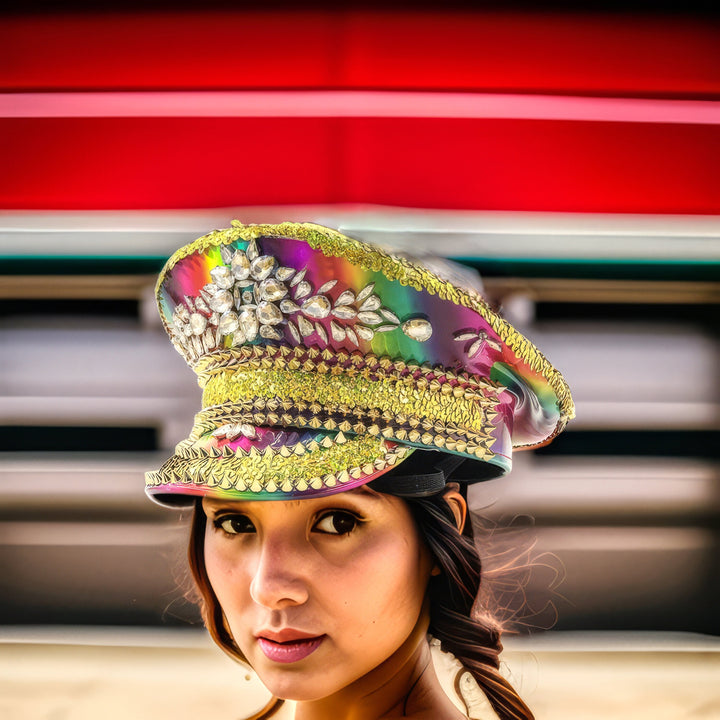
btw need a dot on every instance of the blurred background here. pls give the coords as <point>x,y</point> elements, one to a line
<point>570,155</point>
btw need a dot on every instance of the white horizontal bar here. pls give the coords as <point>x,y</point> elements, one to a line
<point>461,233</point>
<point>360,103</point>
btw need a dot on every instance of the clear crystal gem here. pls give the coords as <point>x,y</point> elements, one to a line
<point>221,302</point>
<point>222,276</point>
<point>385,328</point>
<point>372,303</point>
<point>249,323</point>
<point>298,277</point>
<point>226,253</point>
<point>198,323</point>
<point>182,312</point>
<point>390,315</point>
<point>418,329</point>
<point>294,331</point>
<point>252,250</point>
<point>344,312</point>
<point>306,327</point>
<point>317,306</point>
<point>228,323</point>
<point>320,330</point>
<point>248,297</point>
<point>270,333</point>
<point>187,329</point>
<point>345,298</point>
<point>268,313</point>
<point>351,335</point>
<point>329,285</point>
<point>240,266</point>
<point>337,332</point>
<point>289,307</point>
<point>371,318</point>
<point>365,292</point>
<point>261,267</point>
<point>302,290</point>
<point>248,431</point>
<point>202,306</point>
<point>283,274</point>
<point>272,289</point>
<point>364,332</point>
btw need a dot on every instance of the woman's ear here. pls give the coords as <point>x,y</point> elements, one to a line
<point>457,504</point>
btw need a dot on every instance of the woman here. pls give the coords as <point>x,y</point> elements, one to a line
<point>349,397</point>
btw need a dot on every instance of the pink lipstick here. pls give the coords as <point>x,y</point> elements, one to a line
<point>288,651</point>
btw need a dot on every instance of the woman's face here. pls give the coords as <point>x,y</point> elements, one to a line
<point>317,592</point>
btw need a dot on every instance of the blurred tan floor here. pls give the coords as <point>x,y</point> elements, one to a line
<point>116,674</point>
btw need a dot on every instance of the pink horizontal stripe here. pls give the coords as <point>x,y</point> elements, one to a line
<point>357,104</point>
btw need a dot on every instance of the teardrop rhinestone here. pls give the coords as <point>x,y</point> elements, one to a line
<point>337,332</point>
<point>221,302</point>
<point>364,332</point>
<point>226,253</point>
<point>306,327</point>
<point>476,347</point>
<point>345,298</point>
<point>351,336</point>
<point>237,295</point>
<point>270,333</point>
<point>252,250</point>
<point>249,431</point>
<point>390,315</point>
<point>320,330</point>
<point>344,312</point>
<point>365,292</point>
<point>298,277</point>
<point>268,313</point>
<point>289,307</point>
<point>240,265</point>
<point>229,322</point>
<point>197,348</point>
<point>329,285</point>
<point>249,323</point>
<point>385,328</point>
<point>283,274</point>
<point>294,331</point>
<point>370,318</point>
<point>261,267</point>
<point>182,312</point>
<point>222,276</point>
<point>202,306</point>
<point>272,289</point>
<point>465,336</point>
<point>187,329</point>
<point>418,329</point>
<point>198,323</point>
<point>190,302</point>
<point>302,290</point>
<point>372,303</point>
<point>317,306</point>
<point>209,339</point>
<point>214,318</point>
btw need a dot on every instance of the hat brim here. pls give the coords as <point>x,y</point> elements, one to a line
<point>243,462</point>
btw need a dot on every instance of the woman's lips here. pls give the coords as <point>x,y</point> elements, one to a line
<point>289,651</point>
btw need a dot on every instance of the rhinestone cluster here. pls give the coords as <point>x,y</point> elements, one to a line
<point>478,340</point>
<point>252,296</point>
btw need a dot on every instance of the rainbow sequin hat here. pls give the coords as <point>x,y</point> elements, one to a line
<point>325,362</point>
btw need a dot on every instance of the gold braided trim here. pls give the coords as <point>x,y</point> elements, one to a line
<point>317,468</point>
<point>334,392</point>
<point>333,244</point>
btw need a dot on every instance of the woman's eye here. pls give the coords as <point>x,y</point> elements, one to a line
<point>337,523</point>
<point>235,524</point>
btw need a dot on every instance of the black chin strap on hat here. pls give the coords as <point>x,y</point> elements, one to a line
<point>419,484</point>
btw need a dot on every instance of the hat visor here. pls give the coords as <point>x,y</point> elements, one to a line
<point>243,462</point>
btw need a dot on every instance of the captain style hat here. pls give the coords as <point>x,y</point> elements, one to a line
<point>325,362</point>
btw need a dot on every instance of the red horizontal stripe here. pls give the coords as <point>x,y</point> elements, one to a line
<point>553,53</point>
<point>82,163</point>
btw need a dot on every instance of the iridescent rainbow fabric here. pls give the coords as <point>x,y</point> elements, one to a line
<point>325,361</point>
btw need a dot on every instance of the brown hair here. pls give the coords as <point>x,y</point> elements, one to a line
<point>472,637</point>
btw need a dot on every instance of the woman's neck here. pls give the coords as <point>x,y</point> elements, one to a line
<point>404,685</point>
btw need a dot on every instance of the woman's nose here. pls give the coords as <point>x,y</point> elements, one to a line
<point>279,579</point>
